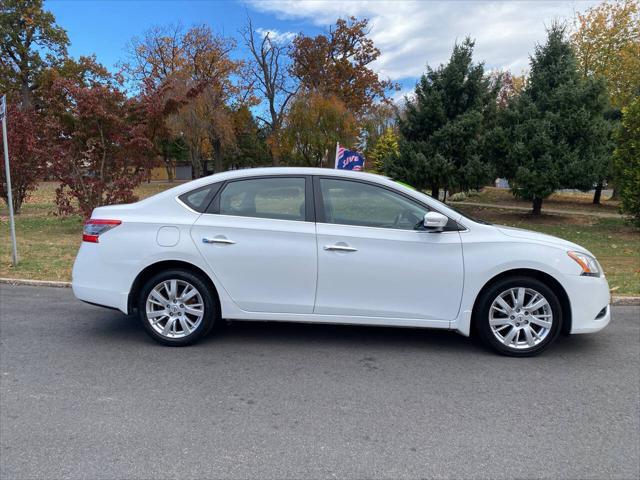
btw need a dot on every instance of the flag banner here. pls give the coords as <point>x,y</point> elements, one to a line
<point>349,159</point>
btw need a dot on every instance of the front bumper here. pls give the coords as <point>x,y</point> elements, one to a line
<point>588,297</point>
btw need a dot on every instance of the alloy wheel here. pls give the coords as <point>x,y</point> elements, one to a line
<point>520,318</point>
<point>174,308</point>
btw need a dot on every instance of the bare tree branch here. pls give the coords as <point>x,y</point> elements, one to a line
<point>272,80</point>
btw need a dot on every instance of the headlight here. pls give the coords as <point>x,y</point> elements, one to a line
<point>589,265</point>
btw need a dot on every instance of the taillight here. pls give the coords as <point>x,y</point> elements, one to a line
<point>94,227</point>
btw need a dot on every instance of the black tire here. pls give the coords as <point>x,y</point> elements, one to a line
<point>209,317</point>
<point>482,312</point>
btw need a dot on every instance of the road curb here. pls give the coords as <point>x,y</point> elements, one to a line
<point>626,301</point>
<point>615,300</point>
<point>35,283</point>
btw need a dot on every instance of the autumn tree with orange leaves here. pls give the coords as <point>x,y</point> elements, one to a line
<point>314,124</point>
<point>188,79</point>
<point>607,44</point>
<point>339,64</point>
<point>338,92</point>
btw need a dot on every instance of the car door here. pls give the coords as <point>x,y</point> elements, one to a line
<point>375,261</point>
<point>258,237</point>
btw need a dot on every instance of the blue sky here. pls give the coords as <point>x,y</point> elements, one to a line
<point>409,33</point>
<point>104,27</point>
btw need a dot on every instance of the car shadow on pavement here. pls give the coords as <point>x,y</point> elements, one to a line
<point>123,329</point>
<point>114,326</point>
<point>285,333</point>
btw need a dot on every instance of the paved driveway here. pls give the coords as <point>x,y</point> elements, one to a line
<point>85,394</point>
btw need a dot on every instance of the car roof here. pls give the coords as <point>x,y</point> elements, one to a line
<point>252,172</point>
<point>269,171</point>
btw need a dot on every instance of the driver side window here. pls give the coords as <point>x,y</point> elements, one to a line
<point>354,203</point>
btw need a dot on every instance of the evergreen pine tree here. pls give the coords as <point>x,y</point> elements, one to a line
<point>443,129</point>
<point>556,129</point>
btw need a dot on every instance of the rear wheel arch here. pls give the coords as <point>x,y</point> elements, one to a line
<point>157,267</point>
<point>545,278</point>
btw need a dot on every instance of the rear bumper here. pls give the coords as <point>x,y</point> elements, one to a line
<point>588,297</point>
<point>101,297</point>
<point>94,282</point>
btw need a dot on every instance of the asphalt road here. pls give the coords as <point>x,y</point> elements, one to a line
<point>85,394</point>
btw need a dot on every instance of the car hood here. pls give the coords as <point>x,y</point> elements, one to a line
<point>539,238</point>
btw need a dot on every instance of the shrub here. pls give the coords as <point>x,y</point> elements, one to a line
<point>100,149</point>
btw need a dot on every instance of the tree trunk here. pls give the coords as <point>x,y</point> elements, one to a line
<point>615,194</point>
<point>275,158</point>
<point>537,206</point>
<point>17,204</point>
<point>196,165</point>
<point>217,156</point>
<point>169,168</point>
<point>25,96</point>
<point>435,192</point>
<point>597,194</point>
<point>444,197</point>
<point>168,165</point>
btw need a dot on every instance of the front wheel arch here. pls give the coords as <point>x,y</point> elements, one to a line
<point>150,270</point>
<point>545,278</point>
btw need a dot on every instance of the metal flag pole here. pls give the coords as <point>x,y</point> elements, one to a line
<point>5,142</point>
<point>337,150</point>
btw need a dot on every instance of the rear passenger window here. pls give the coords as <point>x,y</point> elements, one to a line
<point>199,198</point>
<point>277,198</point>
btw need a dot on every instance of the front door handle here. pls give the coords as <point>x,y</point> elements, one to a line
<point>340,248</point>
<point>222,240</point>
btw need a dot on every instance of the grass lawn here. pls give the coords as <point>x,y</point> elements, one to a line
<point>47,244</point>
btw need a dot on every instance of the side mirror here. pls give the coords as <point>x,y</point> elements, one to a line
<point>435,222</point>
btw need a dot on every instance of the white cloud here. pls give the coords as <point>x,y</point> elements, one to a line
<point>401,95</point>
<point>412,33</point>
<point>276,35</point>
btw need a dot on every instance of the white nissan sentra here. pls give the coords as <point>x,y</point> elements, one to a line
<point>330,246</point>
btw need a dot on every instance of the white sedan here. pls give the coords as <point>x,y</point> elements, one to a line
<point>329,246</point>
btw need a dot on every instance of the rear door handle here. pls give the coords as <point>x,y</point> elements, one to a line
<point>340,248</point>
<point>222,240</point>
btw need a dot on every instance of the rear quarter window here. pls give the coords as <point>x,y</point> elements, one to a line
<point>200,198</point>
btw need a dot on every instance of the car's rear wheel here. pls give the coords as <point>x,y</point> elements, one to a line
<point>518,316</point>
<point>176,307</point>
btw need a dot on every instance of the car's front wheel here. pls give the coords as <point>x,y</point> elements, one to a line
<point>519,316</point>
<point>176,307</point>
